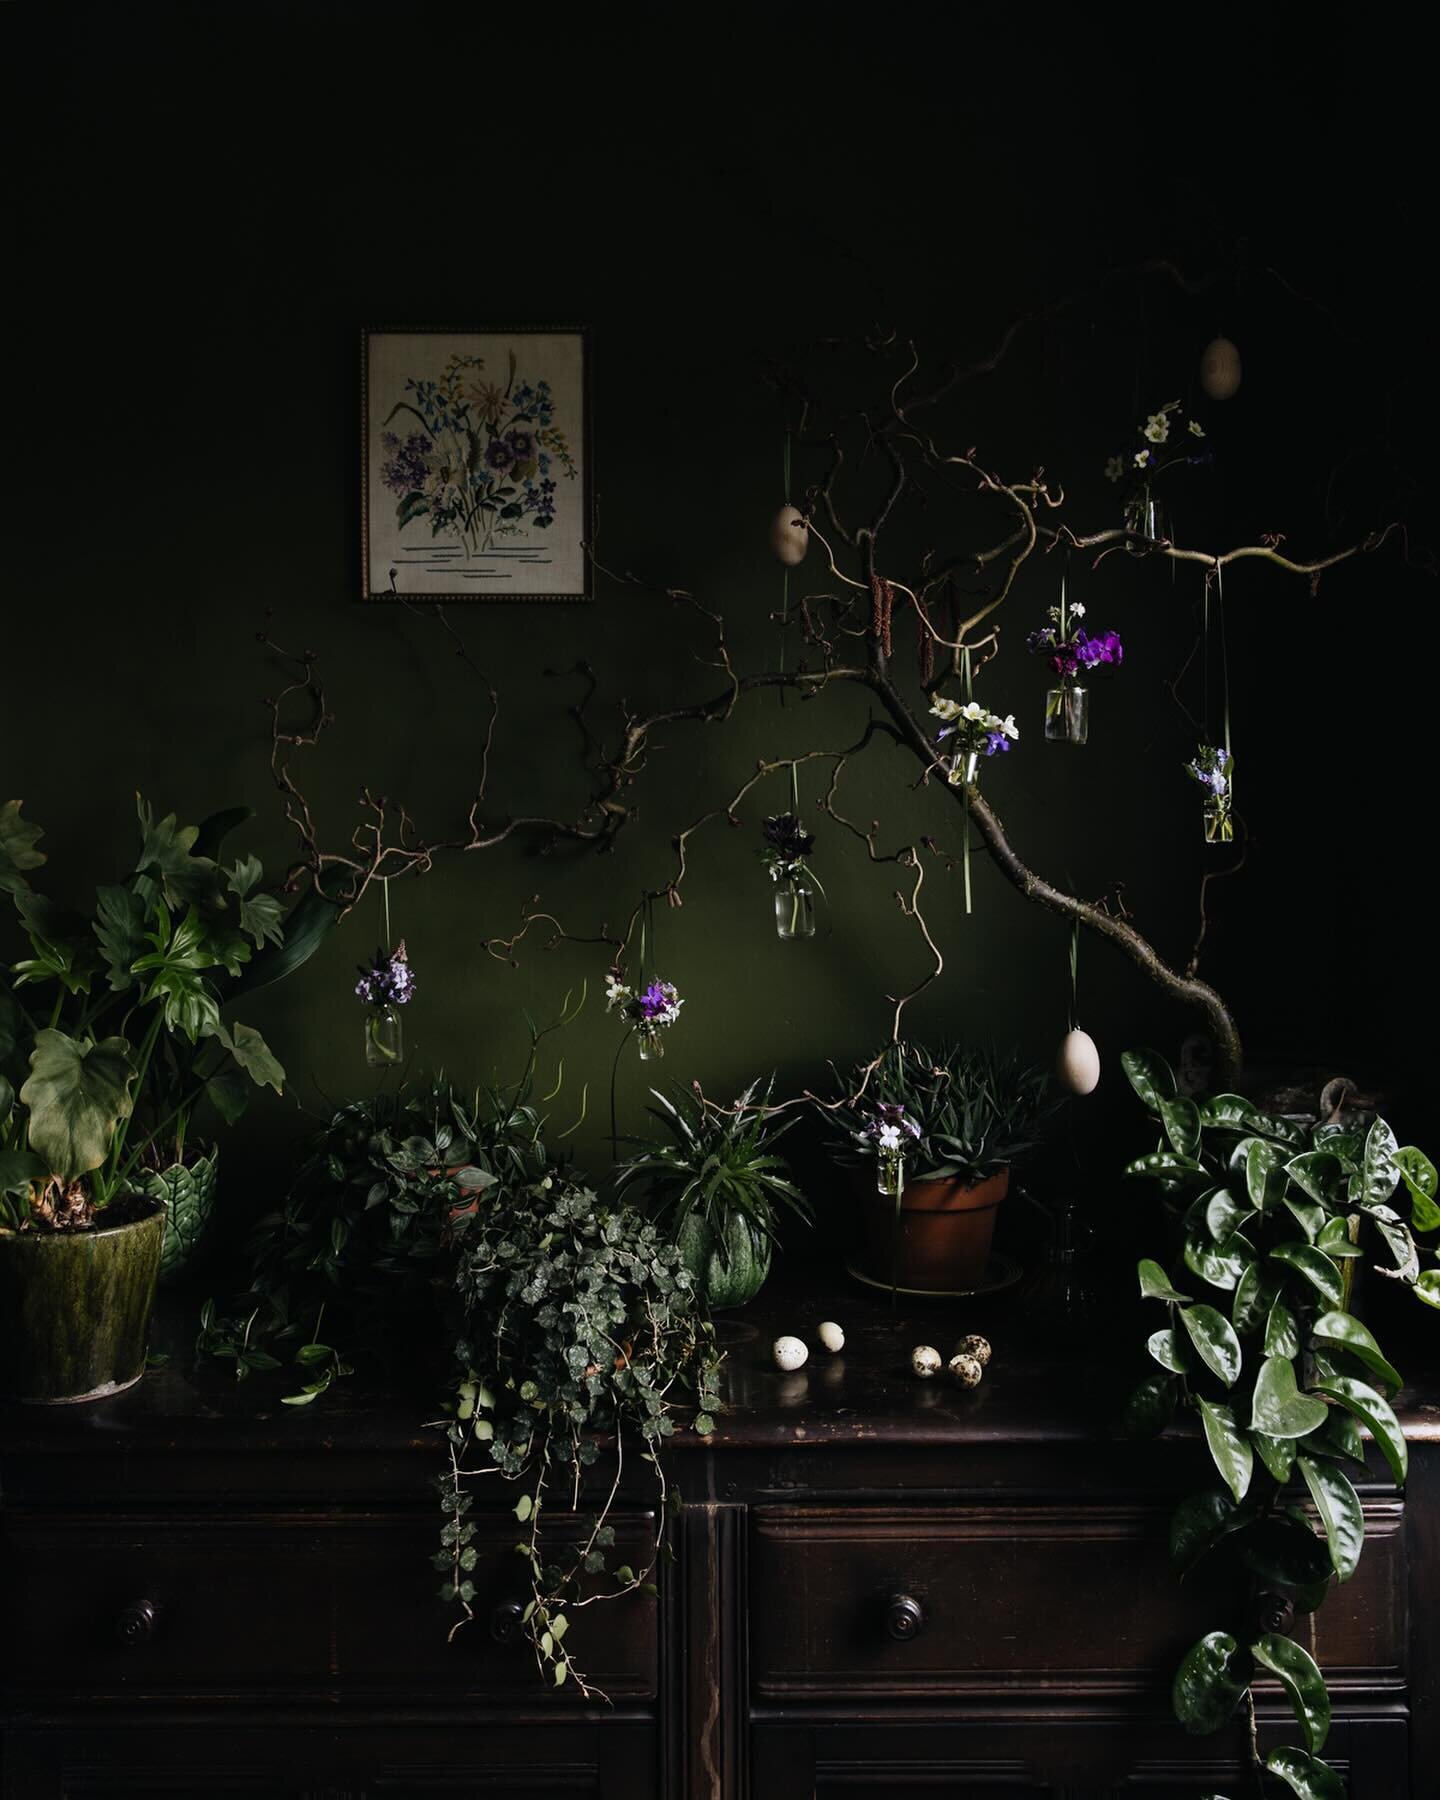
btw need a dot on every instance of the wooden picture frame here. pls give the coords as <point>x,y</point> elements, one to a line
<point>475,464</point>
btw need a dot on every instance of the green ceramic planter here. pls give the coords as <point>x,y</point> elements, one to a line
<point>75,1309</point>
<point>730,1265</point>
<point>187,1192</point>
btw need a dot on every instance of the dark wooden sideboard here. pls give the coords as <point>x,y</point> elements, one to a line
<point>880,1587</point>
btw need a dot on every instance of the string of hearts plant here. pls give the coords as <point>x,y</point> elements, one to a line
<point>1260,1343</point>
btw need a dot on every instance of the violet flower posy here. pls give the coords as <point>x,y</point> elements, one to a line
<point>389,981</point>
<point>787,844</point>
<point>888,1128</point>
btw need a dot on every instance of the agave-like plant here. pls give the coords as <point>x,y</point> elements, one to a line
<point>717,1187</point>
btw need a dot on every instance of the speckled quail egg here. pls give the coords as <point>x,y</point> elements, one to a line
<point>965,1371</point>
<point>789,1353</point>
<point>976,1346</point>
<point>830,1335</point>
<point>925,1361</point>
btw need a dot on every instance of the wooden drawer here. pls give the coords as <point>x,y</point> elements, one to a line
<point>1006,1597</point>
<point>288,1607</point>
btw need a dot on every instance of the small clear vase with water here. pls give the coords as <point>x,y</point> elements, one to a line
<point>794,905</point>
<point>384,1036</point>
<point>1067,713</point>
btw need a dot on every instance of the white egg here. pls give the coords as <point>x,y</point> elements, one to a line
<point>790,535</point>
<point>925,1361</point>
<point>1078,1064</point>
<point>789,1353</point>
<point>1220,369</point>
<point>830,1335</point>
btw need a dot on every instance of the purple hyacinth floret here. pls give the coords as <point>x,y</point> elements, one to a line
<point>389,981</point>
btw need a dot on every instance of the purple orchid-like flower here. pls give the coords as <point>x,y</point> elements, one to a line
<point>389,981</point>
<point>995,742</point>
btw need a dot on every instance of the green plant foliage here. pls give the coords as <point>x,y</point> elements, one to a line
<point>579,1318</point>
<point>1281,1375</point>
<point>716,1187</point>
<point>978,1111</point>
<point>128,1035</point>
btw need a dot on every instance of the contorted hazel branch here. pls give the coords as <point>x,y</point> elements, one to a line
<point>848,630</point>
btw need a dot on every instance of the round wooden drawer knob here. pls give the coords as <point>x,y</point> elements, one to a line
<point>904,1617</point>
<point>506,1620</point>
<point>138,1624</point>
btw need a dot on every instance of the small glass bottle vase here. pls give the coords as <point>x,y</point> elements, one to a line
<point>384,1036</point>
<point>794,905</point>
<point>1219,825</point>
<point>890,1173</point>
<point>1144,518</point>
<point>1067,714</point>
<point>652,1042</point>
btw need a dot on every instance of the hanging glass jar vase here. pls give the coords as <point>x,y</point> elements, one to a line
<point>794,903</point>
<point>1214,768</point>
<point>1067,713</point>
<point>652,1042</point>
<point>1219,825</point>
<point>384,1035</point>
<point>889,1172</point>
<point>1144,518</point>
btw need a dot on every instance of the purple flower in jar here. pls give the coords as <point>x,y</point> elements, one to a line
<point>389,981</point>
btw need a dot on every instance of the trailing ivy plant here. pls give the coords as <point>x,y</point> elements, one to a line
<point>581,1318</point>
<point>1260,1344</point>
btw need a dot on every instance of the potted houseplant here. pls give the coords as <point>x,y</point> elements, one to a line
<point>1260,1345</point>
<point>936,1135</point>
<point>113,1031</point>
<point>580,1319</point>
<point>716,1187</point>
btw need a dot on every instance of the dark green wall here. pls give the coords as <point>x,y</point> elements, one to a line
<point>215,198</point>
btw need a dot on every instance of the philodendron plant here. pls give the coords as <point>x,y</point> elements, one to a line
<point>116,1026</point>
<point>1259,1343</point>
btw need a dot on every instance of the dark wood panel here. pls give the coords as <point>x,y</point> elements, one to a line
<point>290,1606</point>
<point>1008,1595</point>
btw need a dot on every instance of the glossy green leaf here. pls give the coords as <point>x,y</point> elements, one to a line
<point>1154,1283</point>
<point>1296,1672</point>
<point>77,1094</point>
<point>1379,1170</point>
<point>253,1055</point>
<point>1309,1216</point>
<point>1308,1779</point>
<point>1342,1435</point>
<point>1254,1296</point>
<point>1169,1350</point>
<point>1283,1550</point>
<point>1376,1412</point>
<point>1181,1119</point>
<point>1318,1173</point>
<point>1229,1447</point>
<point>1214,1338</point>
<point>1397,1236</point>
<point>1224,1214</point>
<point>229,1094</point>
<point>120,927</point>
<point>1151,1406</point>
<point>211,833</point>
<point>1277,1454</point>
<point>1278,1408</point>
<point>1201,1521</point>
<point>1343,1331</point>
<point>1227,1112</point>
<point>1263,1169</point>
<point>1339,1508</point>
<point>1315,1266</point>
<point>1427,1287</point>
<point>1150,1076</point>
<point>167,855</point>
<point>1420,1177</point>
<point>1210,1683</point>
<point>1162,1162</point>
<point>1334,1239</point>
<point>19,1171</point>
<point>1282,1332</point>
<point>1221,1265</point>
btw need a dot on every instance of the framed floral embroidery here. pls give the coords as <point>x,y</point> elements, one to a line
<point>476,464</point>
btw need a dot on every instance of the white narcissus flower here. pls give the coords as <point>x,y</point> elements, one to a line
<point>1157,428</point>
<point>1115,469</point>
<point>1142,459</point>
<point>1196,428</point>
<point>948,710</point>
<point>1077,611</point>
<point>974,710</point>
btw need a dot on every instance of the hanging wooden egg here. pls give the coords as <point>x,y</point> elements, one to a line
<point>790,535</point>
<point>1078,1064</point>
<point>1220,369</point>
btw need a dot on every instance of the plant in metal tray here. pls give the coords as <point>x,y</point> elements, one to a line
<point>580,1319</point>
<point>371,1213</point>
<point>116,1028</point>
<point>963,1113</point>
<point>1259,1343</point>
<point>716,1187</point>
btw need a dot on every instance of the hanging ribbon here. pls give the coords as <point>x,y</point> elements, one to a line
<point>965,682</point>
<point>1074,971</point>
<point>385,892</point>
<point>785,577</point>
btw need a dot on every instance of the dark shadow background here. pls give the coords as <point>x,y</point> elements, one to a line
<point>207,203</point>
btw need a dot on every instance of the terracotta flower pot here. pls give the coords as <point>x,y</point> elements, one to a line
<point>75,1309</point>
<point>943,1237</point>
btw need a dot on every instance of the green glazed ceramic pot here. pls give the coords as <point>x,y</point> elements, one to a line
<point>75,1309</point>
<point>187,1192</point>
<point>729,1265</point>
